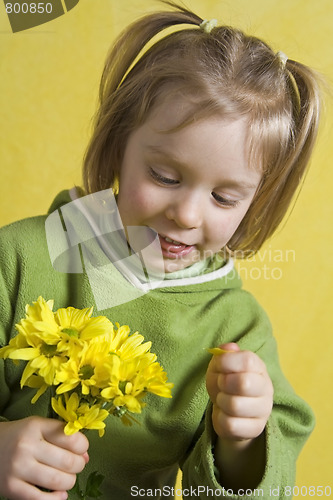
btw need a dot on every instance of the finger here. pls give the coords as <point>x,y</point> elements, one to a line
<point>221,351</point>
<point>59,458</point>
<point>47,477</point>
<point>25,491</point>
<point>54,434</point>
<point>235,427</point>
<point>245,384</point>
<point>212,381</point>
<point>244,407</point>
<point>237,362</point>
<point>214,368</point>
<point>230,346</point>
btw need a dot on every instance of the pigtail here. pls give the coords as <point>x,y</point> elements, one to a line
<point>306,104</point>
<point>307,113</point>
<point>286,174</point>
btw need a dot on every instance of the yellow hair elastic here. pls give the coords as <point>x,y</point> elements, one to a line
<point>282,58</point>
<point>208,25</point>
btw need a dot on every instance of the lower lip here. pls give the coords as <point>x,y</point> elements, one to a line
<point>173,251</point>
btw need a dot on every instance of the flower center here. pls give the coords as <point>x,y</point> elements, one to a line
<point>48,350</point>
<point>86,372</point>
<point>122,386</point>
<point>72,332</point>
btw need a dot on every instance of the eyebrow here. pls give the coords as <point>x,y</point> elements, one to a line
<point>231,183</point>
<point>166,154</point>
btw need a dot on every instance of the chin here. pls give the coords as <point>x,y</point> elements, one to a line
<point>171,266</point>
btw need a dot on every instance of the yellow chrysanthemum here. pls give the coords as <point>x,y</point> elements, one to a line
<point>77,327</point>
<point>79,415</point>
<point>90,369</point>
<point>18,342</point>
<point>155,379</point>
<point>39,323</point>
<point>78,323</point>
<point>45,363</point>
<point>96,368</point>
<point>120,334</point>
<point>41,310</point>
<point>36,342</point>
<point>121,379</point>
<point>128,346</point>
<point>137,377</point>
<point>36,330</point>
<point>131,403</point>
<point>43,359</point>
<point>125,344</point>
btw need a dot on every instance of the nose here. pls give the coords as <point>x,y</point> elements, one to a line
<point>185,210</point>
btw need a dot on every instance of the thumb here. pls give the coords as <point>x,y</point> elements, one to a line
<point>230,346</point>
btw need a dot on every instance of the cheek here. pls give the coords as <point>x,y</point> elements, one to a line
<point>234,221</point>
<point>224,226</point>
<point>135,201</point>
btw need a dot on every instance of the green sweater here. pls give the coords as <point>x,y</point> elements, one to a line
<point>181,320</point>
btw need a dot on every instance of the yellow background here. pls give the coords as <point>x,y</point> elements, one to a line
<point>48,94</point>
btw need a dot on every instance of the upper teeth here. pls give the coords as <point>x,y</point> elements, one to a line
<point>169,240</point>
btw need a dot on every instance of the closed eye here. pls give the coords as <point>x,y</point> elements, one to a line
<point>225,202</point>
<point>161,179</point>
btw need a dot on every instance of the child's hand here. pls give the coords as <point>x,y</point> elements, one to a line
<point>242,394</point>
<point>36,452</point>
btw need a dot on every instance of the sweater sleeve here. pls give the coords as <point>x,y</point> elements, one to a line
<point>7,278</point>
<point>287,429</point>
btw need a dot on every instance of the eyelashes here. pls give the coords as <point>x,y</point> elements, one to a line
<point>224,201</point>
<point>167,181</point>
<point>161,179</point>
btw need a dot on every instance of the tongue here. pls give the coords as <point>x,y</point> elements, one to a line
<point>171,247</point>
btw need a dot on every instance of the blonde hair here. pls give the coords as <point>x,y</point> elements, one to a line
<point>223,72</point>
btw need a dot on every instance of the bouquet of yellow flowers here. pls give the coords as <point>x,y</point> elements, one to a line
<point>95,368</point>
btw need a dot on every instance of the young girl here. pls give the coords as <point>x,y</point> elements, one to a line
<point>204,138</point>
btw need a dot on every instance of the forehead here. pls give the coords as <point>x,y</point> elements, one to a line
<point>177,113</point>
<point>174,111</point>
<point>178,123</point>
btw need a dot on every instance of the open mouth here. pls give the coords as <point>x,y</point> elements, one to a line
<point>173,241</point>
<point>173,249</point>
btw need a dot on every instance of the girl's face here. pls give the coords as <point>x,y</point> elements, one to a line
<point>192,186</point>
